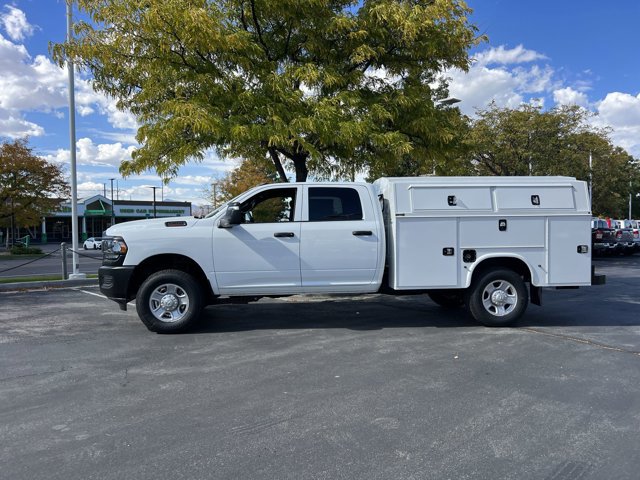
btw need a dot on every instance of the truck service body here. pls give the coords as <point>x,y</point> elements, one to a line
<point>487,243</point>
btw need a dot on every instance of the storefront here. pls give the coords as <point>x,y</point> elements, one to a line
<point>95,215</point>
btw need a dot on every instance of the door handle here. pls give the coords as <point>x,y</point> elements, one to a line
<point>362,233</point>
<point>283,234</point>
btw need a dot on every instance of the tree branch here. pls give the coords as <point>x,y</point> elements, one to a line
<point>259,30</point>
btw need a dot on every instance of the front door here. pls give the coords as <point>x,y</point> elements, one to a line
<point>261,255</point>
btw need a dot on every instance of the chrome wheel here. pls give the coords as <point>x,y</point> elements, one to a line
<point>169,303</point>
<point>499,298</point>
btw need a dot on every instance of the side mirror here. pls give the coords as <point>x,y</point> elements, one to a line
<point>233,216</point>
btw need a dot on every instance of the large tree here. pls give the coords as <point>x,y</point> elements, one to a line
<point>328,86</point>
<point>30,187</point>
<point>529,140</point>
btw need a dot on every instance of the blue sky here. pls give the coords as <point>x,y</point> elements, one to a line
<point>551,52</point>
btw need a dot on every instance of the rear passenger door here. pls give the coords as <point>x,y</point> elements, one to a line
<point>340,239</point>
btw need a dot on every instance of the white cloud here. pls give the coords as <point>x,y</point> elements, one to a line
<point>507,56</point>
<point>38,85</point>
<point>499,75</point>
<point>619,109</point>
<point>15,23</point>
<point>17,127</point>
<point>569,96</point>
<point>511,77</point>
<point>89,153</point>
<point>621,112</point>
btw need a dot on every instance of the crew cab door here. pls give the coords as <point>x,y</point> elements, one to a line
<point>262,254</point>
<point>341,240</point>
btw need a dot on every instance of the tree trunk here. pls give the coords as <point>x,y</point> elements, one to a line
<point>276,161</point>
<point>300,163</point>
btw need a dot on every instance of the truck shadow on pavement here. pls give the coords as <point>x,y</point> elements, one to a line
<point>610,307</point>
<point>349,314</point>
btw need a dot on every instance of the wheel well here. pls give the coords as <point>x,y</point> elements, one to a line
<point>156,263</point>
<point>515,264</point>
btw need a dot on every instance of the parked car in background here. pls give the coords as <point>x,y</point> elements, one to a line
<point>92,243</point>
<point>624,236</point>
<point>603,238</point>
<point>635,228</point>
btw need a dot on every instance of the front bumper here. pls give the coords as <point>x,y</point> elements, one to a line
<point>114,283</point>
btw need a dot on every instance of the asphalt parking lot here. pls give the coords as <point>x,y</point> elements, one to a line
<point>337,388</point>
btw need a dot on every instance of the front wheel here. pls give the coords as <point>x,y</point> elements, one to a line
<point>169,301</point>
<point>497,298</point>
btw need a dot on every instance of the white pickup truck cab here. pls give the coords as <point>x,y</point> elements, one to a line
<point>487,243</point>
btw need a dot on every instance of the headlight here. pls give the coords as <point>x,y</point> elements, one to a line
<point>114,249</point>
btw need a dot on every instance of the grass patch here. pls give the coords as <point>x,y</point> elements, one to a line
<point>9,256</point>
<point>38,278</point>
<point>22,250</point>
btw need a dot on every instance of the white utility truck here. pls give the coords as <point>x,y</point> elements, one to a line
<point>487,243</point>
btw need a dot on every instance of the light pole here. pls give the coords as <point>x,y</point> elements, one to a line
<point>214,185</point>
<point>72,151</point>
<point>154,200</point>
<point>113,211</point>
<point>629,217</point>
<point>590,180</point>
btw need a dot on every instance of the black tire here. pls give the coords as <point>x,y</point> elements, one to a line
<point>85,247</point>
<point>497,298</point>
<point>169,301</point>
<point>447,298</point>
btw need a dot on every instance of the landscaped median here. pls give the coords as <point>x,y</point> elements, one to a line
<point>44,281</point>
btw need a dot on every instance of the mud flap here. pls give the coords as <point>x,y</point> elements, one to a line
<point>535,294</point>
<point>597,279</point>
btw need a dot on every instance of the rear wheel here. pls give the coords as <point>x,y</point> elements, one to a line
<point>169,301</point>
<point>497,298</point>
<point>447,298</point>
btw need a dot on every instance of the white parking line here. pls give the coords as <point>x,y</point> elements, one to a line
<point>90,293</point>
<point>131,303</point>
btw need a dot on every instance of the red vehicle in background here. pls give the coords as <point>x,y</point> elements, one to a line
<point>603,238</point>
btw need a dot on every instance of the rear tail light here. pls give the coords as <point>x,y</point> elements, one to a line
<point>598,235</point>
<point>618,234</point>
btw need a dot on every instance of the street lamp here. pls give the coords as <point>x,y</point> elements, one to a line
<point>447,102</point>
<point>154,200</point>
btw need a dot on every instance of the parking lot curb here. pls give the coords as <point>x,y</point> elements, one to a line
<point>18,286</point>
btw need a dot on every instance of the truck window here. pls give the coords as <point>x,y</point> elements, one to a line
<point>270,206</point>
<point>334,203</point>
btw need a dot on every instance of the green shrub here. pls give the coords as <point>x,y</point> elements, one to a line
<point>20,250</point>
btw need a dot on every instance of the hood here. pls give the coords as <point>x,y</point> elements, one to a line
<point>152,226</point>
